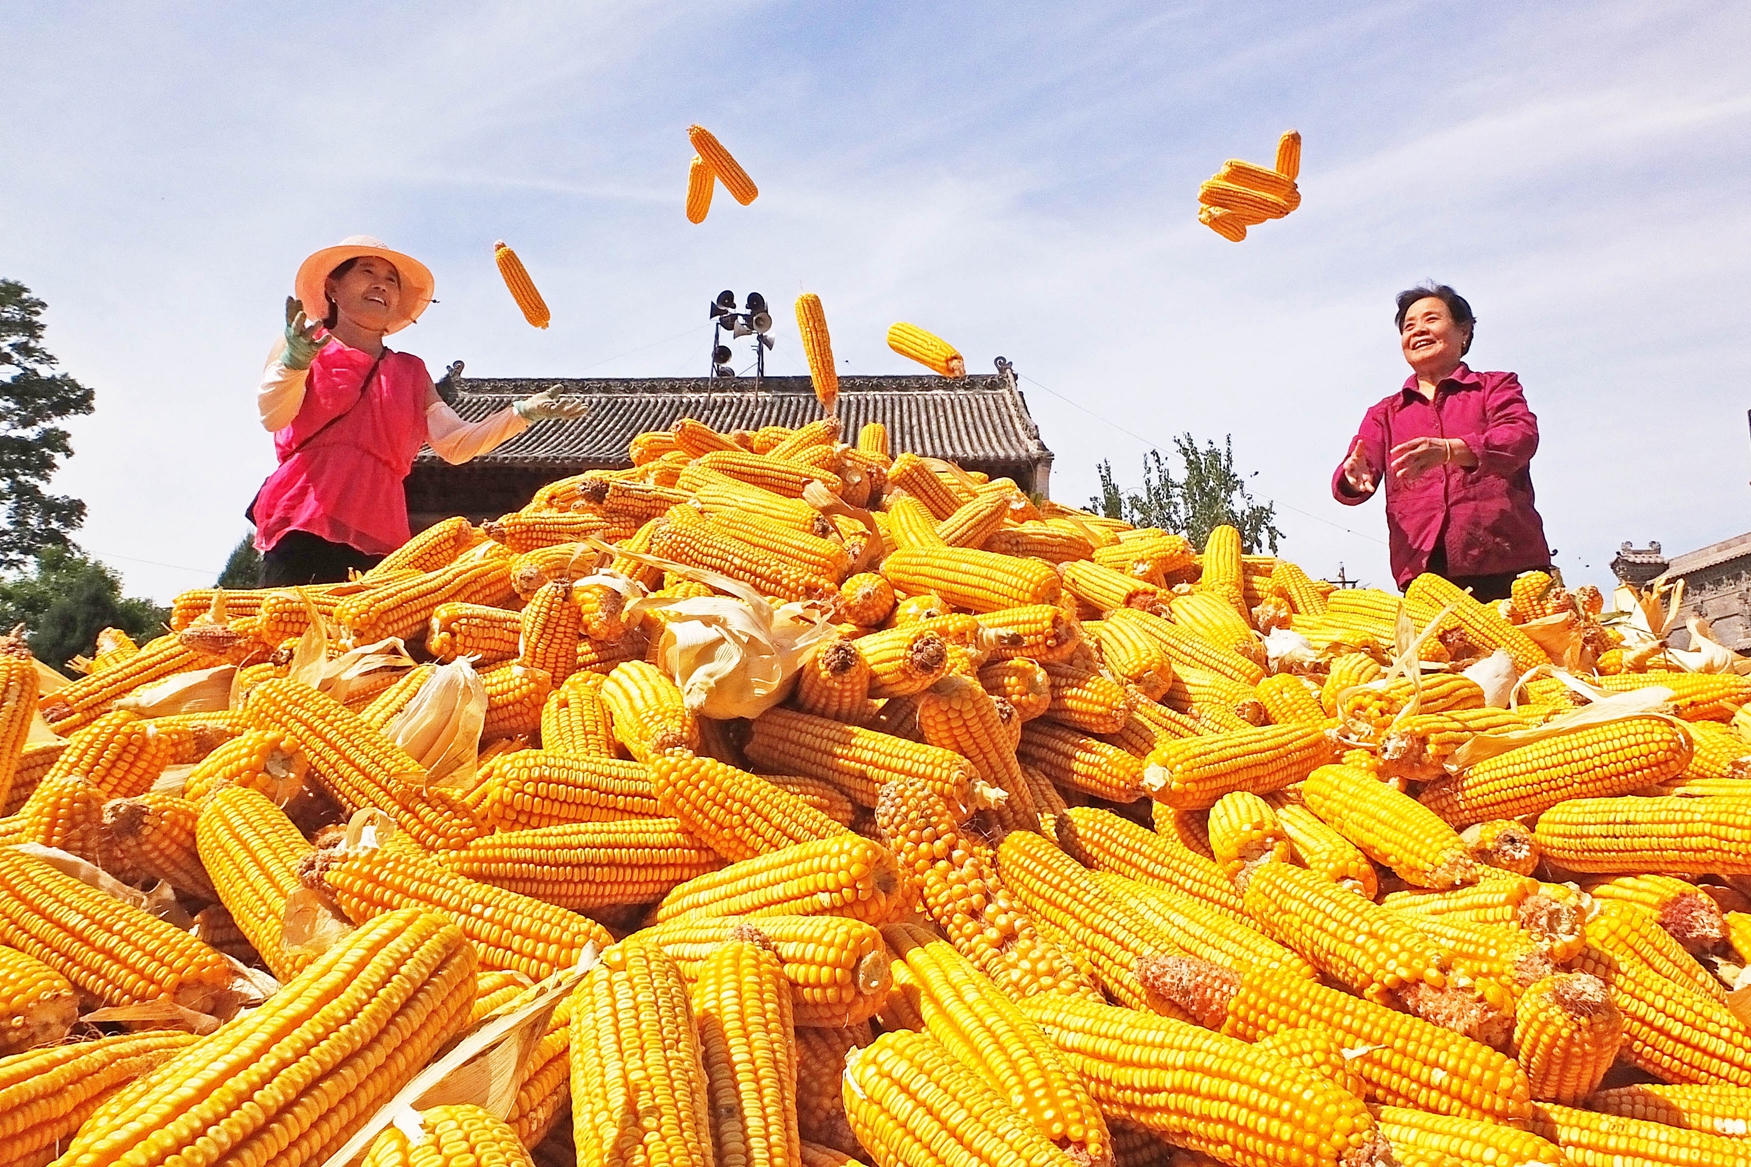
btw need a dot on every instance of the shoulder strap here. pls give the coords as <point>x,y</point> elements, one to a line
<point>364,388</point>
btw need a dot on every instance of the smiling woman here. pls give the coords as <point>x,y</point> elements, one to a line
<point>348,415</point>
<point>1455,448</point>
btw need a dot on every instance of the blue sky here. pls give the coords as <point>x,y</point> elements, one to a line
<point>1020,178</point>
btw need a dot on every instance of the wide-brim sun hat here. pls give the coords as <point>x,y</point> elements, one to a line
<point>416,278</point>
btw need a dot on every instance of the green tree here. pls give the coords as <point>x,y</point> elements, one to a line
<point>243,568</point>
<point>1211,494</point>
<point>32,398</point>
<point>68,600</point>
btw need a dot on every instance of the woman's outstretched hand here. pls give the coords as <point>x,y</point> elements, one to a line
<point>302,343</point>
<point>1358,473</point>
<point>547,405</point>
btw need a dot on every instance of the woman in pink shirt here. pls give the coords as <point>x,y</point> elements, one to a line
<point>348,415</point>
<point>1455,449</point>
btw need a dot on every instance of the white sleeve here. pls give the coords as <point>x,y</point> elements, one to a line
<point>458,441</point>
<point>282,391</point>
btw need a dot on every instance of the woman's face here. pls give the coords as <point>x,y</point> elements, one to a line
<point>1430,338</point>
<point>368,293</point>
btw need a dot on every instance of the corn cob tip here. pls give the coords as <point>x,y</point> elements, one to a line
<point>1201,988</point>
<point>1461,1010</point>
<point>1553,923</point>
<point>1694,920</point>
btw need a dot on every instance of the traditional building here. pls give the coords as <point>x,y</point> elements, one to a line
<point>980,422</point>
<point>1717,585</point>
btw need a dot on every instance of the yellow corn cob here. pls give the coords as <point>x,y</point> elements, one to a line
<point>269,761</point>
<point>1551,914</point>
<point>1205,1091</point>
<point>1479,622</point>
<point>153,838</point>
<point>18,703</point>
<point>904,660</point>
<point>494,989</point>
<point>447,1136</point>
<point>113,647</point>
<point>860,761</point>
<point>805,551</point>
<point>822,795</point>
<point>1190,828</point>
<point>1566,1035</point>
<point>1598,761</point>
<point>1129,653</point>
<point>439,545</point>
<point>387,705</point>
<point>1419,1137</point>
<point>1217,621</point>
<point>980,581</point>
<point>65,813</point>
<point>956,714</point>
<point>584,866</point>
<point>308,1068</point>
<point>1391,828</point>
<point>1323,850</point>
<point>1244,835</point>
<point>596,656</point>
<point>737,814</point>
<point>1221,558</point>
<point>911,474</point>
<point>833,680</point>
<point>522,532</point>
<point>47,1094</point>
<point>1040,632</point>
<point>1504,844</point>
<point>961,893</point>
<point>1027,686</point>
<point>1292,583</point>
<point>544,1094</point>
<point>1495,961</point>
<point>811,325</point>
<point>987,1033</point>
<point>836,969</point>
<point>846,875</point>
<point>521,287</point>
<point>700,182</point>
<point>872,438</point>
<point>736,480</point>
<point>1086,701</point>
<point>1697,696</point>
<point>1370,713</point>
<point>515,695</point>
<point>1629,933</point>
<point>971,524</point>
<point>402,607</point>
<point>1688,914</point>
<point>912,1104</point>
<point>1715,1110</point>
<point>358,766</point>
<point>933,352</point>
<point>85,700</point>
<point>508,930</point>
<point>1604,1140</point>
<point>1082,763</point>
<point>742,1007</point>
<point>1104,589</point>
<point>1252,206</point>
<point>634,1048</point>
<point>550,627</point>
<point>34,763</point>
<point>1150,554</point>
<point>911,525</point>
<point>647,711</point>
<point>1195,692</point>
<point>1289,155</point>
<point>1347,671</point>
<point>1104,841</point>
<point>111,950</point>
<point>1198,931</point>
<point>865,599</point>
<point>1182,646</point>
<point>687,538</point>
<point>37,1005</point>
<point>649,446</point>
<point>1290,700</point>
<point>1426,1067</point>
<point>1680,836</point>
<point>1055,890</point>
<point>118,754</point>
<point>1055,542</point>
<point>724,167</point>
<point>575,719</point>
<point>1319,1050</point>
<point>820,1106</point>
<point>252,853</point>
<point>1191,773</point>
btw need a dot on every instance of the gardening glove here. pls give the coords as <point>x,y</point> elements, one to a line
<point>302,343</point>
<point>548,406</point>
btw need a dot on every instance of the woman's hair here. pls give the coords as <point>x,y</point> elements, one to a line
<point>1457,307</point>
<point>346,266</point>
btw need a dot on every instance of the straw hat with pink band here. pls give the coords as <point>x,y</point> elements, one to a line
<point>416,278</point>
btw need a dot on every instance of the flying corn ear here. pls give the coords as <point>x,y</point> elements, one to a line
<point>700,183</point>
<point>1243,194</point>
<point>927,349</point>
<point>727,170</point>
<point>811,322</point>
<point>522,288</point>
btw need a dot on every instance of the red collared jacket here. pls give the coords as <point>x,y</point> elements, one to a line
<point>1483,517</point>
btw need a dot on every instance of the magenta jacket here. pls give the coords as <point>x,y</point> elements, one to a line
<point>1484,517</point>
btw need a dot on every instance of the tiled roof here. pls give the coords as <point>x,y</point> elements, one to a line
<point>1738,547</point>
<point>975,419</point>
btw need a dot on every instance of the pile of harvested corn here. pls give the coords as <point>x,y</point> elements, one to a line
<point>1129,854</point>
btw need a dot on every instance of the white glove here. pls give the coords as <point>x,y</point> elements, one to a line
<point>548,406</point>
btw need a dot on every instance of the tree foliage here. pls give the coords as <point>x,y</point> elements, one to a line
<point>243,568</point>
<point>32,398</point>
<point>1210,494</point>
<point>68,600</point>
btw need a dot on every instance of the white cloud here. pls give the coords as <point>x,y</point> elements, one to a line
<point>1019,178</point>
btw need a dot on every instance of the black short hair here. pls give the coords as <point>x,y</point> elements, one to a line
<point>346,266</point>
<point>1457,306</point>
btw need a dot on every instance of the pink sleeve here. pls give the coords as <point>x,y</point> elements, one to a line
<point>1510,434</point>
<point>1372,437</point>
